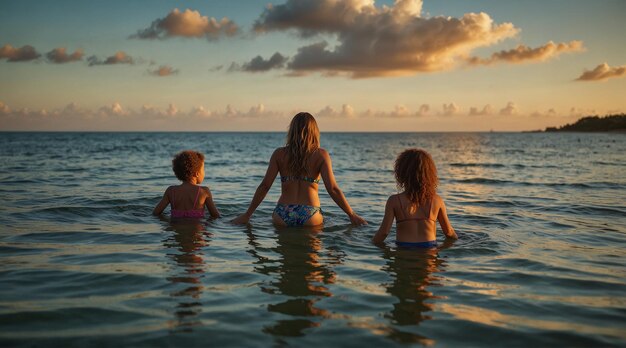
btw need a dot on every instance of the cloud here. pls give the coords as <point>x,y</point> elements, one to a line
<point>423,110</point>
<point>188,24</point>
<point>486,111</point>
<point>525,54</point>
<point>347,111</point>
<point>257,110</point>
<point>114,109</point>
<point>258,64</point>
<point>4,109</point>
<point>22,54</point>
<point>119,57</point>
<point>60,56</point>
<point>379,41</point>
<point>163,70</point>
<point>200,111</point>
<point>509,110</point>
<point>549,113</point>
<point>217,68</point>
<point>172,110</point>
<point>602,72</point>
<point>72,109</point>
<point>400,111</point>
<point>450,109</point>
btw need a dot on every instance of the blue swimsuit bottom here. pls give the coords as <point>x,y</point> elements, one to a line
<point>429,244</point>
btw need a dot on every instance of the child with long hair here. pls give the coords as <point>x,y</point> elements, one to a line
<point>301,163</point>
<point>418,207</point>
<point>188,199</point>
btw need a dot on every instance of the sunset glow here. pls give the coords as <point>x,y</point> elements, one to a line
<point>356,65</point>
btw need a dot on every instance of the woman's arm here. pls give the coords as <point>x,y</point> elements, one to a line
<point>335,193</point>
<point>385,226</point>
<point>444,222</point>
<point>163,203</point>
<point>210,205</point>
<point>261,191</point>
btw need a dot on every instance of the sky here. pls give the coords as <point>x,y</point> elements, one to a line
<point>356,65</point>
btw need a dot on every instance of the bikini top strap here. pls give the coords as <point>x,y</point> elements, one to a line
<point>196,200</point>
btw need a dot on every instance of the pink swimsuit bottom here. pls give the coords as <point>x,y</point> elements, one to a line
<point>194,213</point>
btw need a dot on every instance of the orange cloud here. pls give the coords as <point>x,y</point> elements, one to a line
<point>379,41</point>
<point>119,57</point>
<point>346,111</point>
<point>4,109</point>
<point>190,24</point>
<point>509,110</point>
<point>602,72</point>
<point>549,113</point>
<point>486,111</point>
<point>525,54</point>
<point>114,109</point>
<point>22,54</point>
<point>423,110</point>
<point>450,109</point>
<point>163,70</point>
<point>60,56</point>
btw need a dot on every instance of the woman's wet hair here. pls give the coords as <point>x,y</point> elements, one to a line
<point>303,138</point>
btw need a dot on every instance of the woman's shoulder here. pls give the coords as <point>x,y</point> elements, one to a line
<point>321,152</point>
<point>280,151</point>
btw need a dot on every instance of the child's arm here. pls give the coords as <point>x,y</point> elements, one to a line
<point>261,191</point>
<point>163,203</point>
<point>210,205</point>
<point>385,226</point>
<point>335,192</point>
<point>444,222</point>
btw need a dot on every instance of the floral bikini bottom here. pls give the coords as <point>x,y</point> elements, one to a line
<point>295,214</point>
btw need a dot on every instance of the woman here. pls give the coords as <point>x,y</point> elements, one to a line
<point>300,164</point>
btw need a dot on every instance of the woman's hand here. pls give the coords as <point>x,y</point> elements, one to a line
<point>242,219</point>
<point>357,220</point>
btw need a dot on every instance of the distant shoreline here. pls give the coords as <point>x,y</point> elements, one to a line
<point>591,124</point>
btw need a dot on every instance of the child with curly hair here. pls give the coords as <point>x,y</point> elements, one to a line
<point>418,208</point>
<point>189,198</point>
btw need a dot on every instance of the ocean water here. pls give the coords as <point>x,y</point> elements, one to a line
<point>540,260</point>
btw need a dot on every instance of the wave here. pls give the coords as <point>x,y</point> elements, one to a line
<point>586,185</point>
<point>483,165</point>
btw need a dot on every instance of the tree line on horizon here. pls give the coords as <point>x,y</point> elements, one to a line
<point>609,123</point>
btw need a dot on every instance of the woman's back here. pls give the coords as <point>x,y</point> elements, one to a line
<point>300,188</point>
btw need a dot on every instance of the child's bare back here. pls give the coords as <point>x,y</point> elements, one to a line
<point>188,199</point>
<point>417,209</point>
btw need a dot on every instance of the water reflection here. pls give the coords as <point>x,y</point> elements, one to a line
<point>188,237</point>
<point>413,272</point>
<point>300,275</point>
